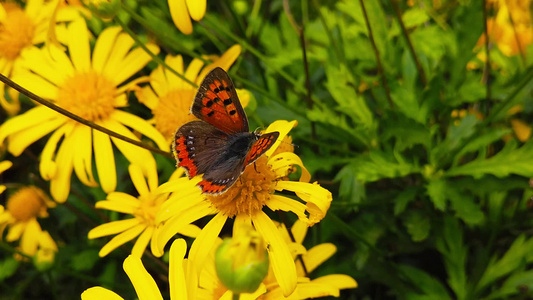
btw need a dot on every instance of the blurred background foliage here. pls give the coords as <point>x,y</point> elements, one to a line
<point>423,137</point>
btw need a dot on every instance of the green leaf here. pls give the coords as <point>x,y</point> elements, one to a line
<point>411,18</point>
<point>407,103</point>
<point>456,134</point>
<point>429,286</point>
<point>406,132</point>
<point>482,141</point>
<point>85,260</point>
<point>509,160</point>
<point>471,90</point>
<point>518,255</point>
<point>450,244</point>
<point>8,267</point>
<point>403,199</point>
<point>350,188</point>
<point>418,226</point>
<point>436,189</point>
<point>377,165</point>
<point>513,285</point>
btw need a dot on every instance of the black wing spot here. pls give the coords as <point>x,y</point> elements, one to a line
<point>216,90</point>
<point>232,112</point>
<point>209,103</point>
<point>228,88</point>
<point>217,100</point>
<point>227,102</point>
<point>211,113</point>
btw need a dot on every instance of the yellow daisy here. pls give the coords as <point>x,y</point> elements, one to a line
<point>145,286</point>
<point>20,30</point>
<point>4,165</point>
<point>182,11</point>
<point>170,97</point>
<point>329,285</point>
<point>143,209</point>
<point>90,87</point>
<point>20,217</point>
<point>246,199</point>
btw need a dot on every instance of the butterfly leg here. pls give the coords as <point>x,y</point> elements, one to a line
<point>255,168</point>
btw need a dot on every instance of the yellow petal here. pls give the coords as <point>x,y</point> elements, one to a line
<point>318,198</point>
<point>339,281</point>
<point>138,180</point>
<point>112,228</point>
<point>99,293</point>
<point>33,8</point>
<point>29,119</point>
<point>141,126</point>
<point>180,15</point>
<point>225,61</point>
<point>124,199</point>
<point>47,166</point>
<point>142,242</point>
<point>19,141</point>
<point>147,97</point>
<point>317,255</point>
<point>54,69</point>
<point>283,127</point>
<point>116,206</point>
<point>60,184</point>
<point>299,231</point>
<point>278,202</point>
<point>105,161</point>
<point>121,239</point>
<point>102,48</point>
<point>118,51</point>
<point>158,81</point>
<point>132,63</point>
<point>192,71</point>
<point>204,242</point>
<point>79,45</point>
<point>3,14</point>
<point>144,284</point>
<point>186,195</point>
<point>173,81</point>
<point>30,237</point>
<point>278,252</point>
<point>83,155</point>
<point>197,8</point>
<point>521,129</point>
<point>176,273</point>
<point>185,217</point>
<point>37,84</point>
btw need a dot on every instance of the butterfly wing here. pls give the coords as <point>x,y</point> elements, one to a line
<point>216,102</point>
<point>197,146</point>
<point>263,143</point>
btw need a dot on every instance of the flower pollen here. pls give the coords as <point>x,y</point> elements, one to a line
<point>27,203</point>
<point>249,193</point>
<point>172,111</point>
<point>16,32</point>
<point>88,95</point>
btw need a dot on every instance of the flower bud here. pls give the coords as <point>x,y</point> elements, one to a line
<point>106,9</point>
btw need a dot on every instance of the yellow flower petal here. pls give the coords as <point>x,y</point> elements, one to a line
<point>121,239</point>
<point>102,48</point>
<point>521,129</point>
<point>225,61</point>
<point>47,166</point>
<point>299,231</point>
<point>180,15</point>
<point>202,245</point>
<point>283,127</point>
<point>118,51</point>
<point>144,284</point>
<point>29,119</point>
<point>187,216</point>
<point>30,237</point>
<point>132,63</point>
<point>318,198</point>
<point>60,184</point>
<point>19,141</point>
<point>37,84</point>
<point>192,71</point>
<point>176,273</point>
<point>317,255</point>
<point>142,242</point>
<point>55,67</point>
<point>112,228</point>
<point>2,189</point>
<point>83,155</point>
<point>278,253</point>
<point>278,202</point>
<point>123,199</point>
<point>283,162</point>
<point>78,37</point>
<point>116,206</point>
<point>339,281</point>
<point>197,8</point>
<point>105,161</point>
<point>147,97</point>
<point>172,80</point>
<point>138,180</point>
<point>99,293</point>
<point>141,126</point>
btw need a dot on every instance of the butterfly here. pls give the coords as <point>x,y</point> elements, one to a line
<point>219,145</point>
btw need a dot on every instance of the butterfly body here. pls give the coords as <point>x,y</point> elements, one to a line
<point>219,146</point>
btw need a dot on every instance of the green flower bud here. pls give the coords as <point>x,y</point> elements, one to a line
<point>105,9</point>
<point>242,263</point>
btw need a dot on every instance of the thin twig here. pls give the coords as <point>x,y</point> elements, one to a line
<point>378,59</point>
<point>74,117</point>
<point>409,43</point>
<point>486,72</point>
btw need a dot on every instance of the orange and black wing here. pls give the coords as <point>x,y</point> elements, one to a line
<point>216,102</point>
<point>263,143</point>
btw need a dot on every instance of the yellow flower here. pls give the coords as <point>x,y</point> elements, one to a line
<point>89,88</point>
<point>182,11</point>
<point>20,30</point>
<point>4,165</point>
<point>143,209</point>
<point>246,199</point>
<point>145,286</point>
<point>170,97</point>
<point>329,285</point>
<point>20,216</point>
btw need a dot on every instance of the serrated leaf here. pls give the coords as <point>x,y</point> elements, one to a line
<point>407,103</point>
<point>436,189</point>
<point>85,260</point>
<point>513,285</point>
<point>377,165</point>
<point>406,133</point>
<point>403,199</point>
<point>482,141</point>
<point>508,161</point>
<point>463,204</point>
<point>417,225</point>
<point>429,286</point>
<point>8,267</point>
<point>450,245</point>
<point>456,134</point>
<point>350,188</point>
<point>515,257</point>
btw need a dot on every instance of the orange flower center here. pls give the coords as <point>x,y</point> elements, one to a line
<point>26,203</point>
<point>148,209</point>
<point>249,193</point>
<point>173,111</point>
<point>88,95</point>
<point>16,32</point>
